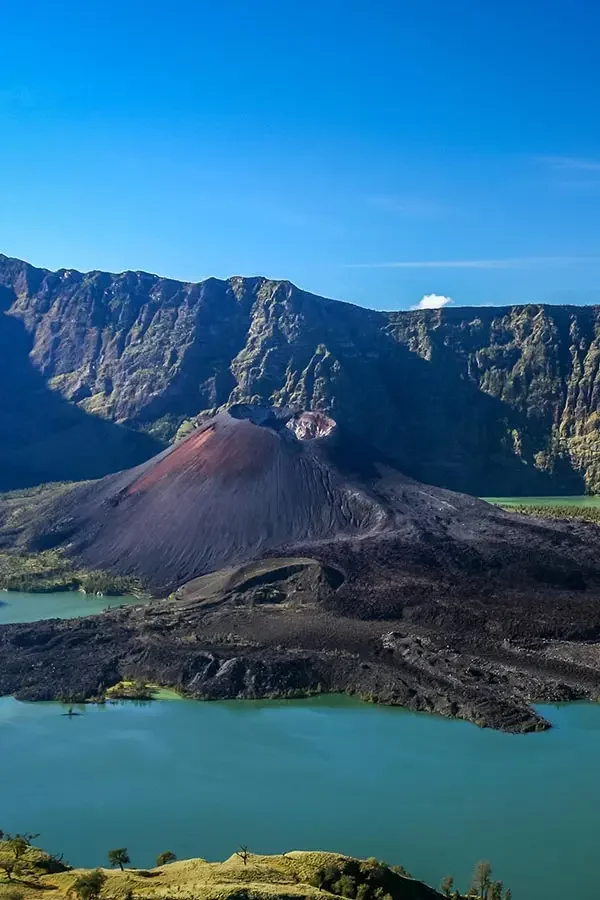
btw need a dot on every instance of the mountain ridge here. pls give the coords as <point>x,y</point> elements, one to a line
<point>491,400</point>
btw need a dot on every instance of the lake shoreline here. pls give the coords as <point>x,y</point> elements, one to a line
<point>257,771</point>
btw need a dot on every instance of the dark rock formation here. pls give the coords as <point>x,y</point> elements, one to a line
<point>494,401</point>
<point>306,563</point>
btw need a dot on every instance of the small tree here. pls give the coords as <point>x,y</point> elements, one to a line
<point>89,885</point>
<point>19,845</point>
<point>345,886</point>
<point>508,894</point>
<point>244,854</point>
<point>9,866</point>
<point>52,863</point>
<point>119,857</point>
<point>16,846</point>
<point>363,892</point>
<point>446,885</point>
<point>482,879</point>
<point>495,891</point>
<point>165,858</point>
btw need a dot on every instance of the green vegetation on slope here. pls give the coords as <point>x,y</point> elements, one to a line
<point>581,513</point>
<point>27,873</point>
<point>50,570</point>
<point>19,507</point>
<point>485,400</point>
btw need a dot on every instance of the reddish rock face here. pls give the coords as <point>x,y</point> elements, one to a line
<point>237,488</point>
<point>310,425</point>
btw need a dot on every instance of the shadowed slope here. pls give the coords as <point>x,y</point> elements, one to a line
<point>232,491</point>
<point>494,401</point>
<point>45,438</point>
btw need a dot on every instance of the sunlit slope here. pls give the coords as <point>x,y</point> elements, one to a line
<point>295,874</point>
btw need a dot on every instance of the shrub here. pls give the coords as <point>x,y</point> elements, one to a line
<point>89,885</point>
<point>345,886</point>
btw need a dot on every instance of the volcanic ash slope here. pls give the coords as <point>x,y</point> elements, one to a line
<point>239,487</point>
<point>304,563</point>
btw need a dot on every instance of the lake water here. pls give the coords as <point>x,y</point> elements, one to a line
<point>329,773</point>
<point>584,500</point>
<point>16,606</point>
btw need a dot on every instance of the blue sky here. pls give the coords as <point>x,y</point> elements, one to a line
<point>372,151</point>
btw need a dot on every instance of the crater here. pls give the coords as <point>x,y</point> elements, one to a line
<point>311,425</point>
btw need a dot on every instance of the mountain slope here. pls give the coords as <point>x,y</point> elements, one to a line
<point>491,400</point>
<point>292,875</point>
<point>297,560</point>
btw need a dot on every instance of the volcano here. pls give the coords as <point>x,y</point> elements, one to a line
<point>249,482</point>
<point>301,560</point>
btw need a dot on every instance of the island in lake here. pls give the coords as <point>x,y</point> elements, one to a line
<point>297,560</point>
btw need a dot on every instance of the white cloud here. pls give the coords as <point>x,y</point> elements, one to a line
<point>433,301</point>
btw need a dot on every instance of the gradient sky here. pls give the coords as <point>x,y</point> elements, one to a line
<point>371,150</point>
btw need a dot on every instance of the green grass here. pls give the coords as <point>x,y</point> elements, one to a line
<point>588,500</point>
<point>584,508</point>
<point>581,513</point>
<point>48,570</point>
<point>51,570</point>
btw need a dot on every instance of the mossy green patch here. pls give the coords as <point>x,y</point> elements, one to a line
<point>582,513</point>
<point>51,570</point>
<point>141,690</point>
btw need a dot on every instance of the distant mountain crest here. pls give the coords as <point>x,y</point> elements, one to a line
<point>488,400</point>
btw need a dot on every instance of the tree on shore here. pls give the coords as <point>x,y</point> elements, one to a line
<point>495,891</point>
<point>9,866</point>
<point>16,846</point>
<point>446,885</point>
<point>165,858</point>
<point>119,857</point>
<point>243,853</point>
<point>89,885</point>
<point>482,880</point>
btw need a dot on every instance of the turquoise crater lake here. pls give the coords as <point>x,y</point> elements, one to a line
<point>17,606</point>
<point>202,778</point>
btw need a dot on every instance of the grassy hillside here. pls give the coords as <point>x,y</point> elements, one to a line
<point>291,875</point>
<point>31,873</point>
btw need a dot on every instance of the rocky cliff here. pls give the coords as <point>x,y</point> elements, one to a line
<point>103,367</point>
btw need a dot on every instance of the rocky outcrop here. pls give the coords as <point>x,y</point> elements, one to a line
<point>488,400</point>
<point>240,639</point>
<point>301,564</point>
